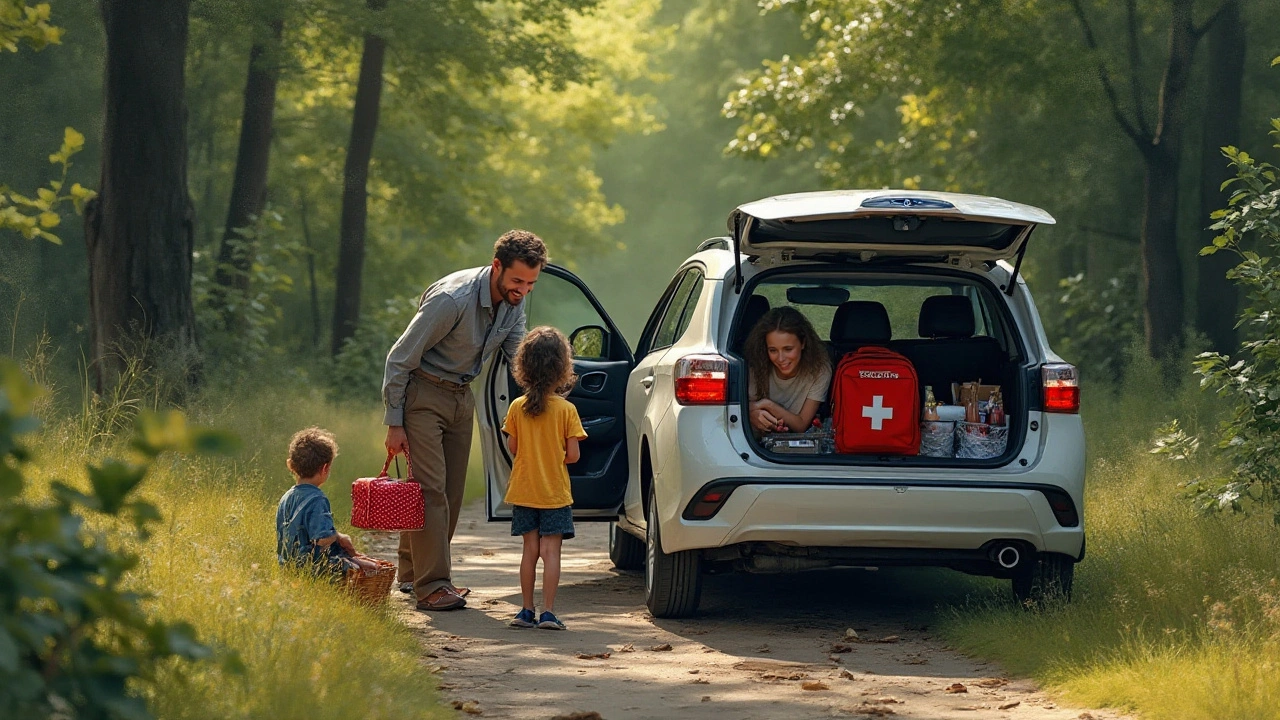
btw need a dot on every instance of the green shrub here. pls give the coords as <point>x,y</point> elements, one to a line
<point>72,636</point>
<point>1249,440</point>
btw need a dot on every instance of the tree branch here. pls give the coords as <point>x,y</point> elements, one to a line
<point>1135,67</point>
<point>1142,140</point>
<point>1199,31</point>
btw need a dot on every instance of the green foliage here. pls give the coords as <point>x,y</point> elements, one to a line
<point>34,217</point>
<point>1095,322</point>
<point>72,636</point>
<point>357,370</point>
<point>20,22</point>
<point>235,325</point>
<point>1250,439</point>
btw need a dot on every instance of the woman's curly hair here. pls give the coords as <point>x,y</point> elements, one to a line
<point>543,365</point>
<point>813,359</point>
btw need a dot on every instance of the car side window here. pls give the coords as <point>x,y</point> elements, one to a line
<point>670,325</point>
<point>686,316</point>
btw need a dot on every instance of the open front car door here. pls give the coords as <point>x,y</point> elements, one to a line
<point>603,362</point>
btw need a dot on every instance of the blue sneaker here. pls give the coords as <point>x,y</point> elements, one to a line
<point>524,619</point>
<point>548,621</point>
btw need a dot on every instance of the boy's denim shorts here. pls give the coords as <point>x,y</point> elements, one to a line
<point>547,522</point>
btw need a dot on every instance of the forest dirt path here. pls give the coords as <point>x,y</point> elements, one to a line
<point>761,646</point>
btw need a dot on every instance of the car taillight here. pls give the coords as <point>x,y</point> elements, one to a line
<point>702,380</point>
<point>1064,510</point>
<point>708,502</point>
<point>1061,385</point>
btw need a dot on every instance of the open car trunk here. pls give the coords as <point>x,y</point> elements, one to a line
<point>953,326</point>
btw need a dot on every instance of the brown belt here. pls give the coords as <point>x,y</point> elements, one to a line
<point>439,381</point>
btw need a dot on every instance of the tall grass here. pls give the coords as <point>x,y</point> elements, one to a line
<point>307,650</point>
<point>1175,614</point>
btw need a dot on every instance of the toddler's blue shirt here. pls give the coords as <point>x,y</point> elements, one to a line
<point>304,516</point>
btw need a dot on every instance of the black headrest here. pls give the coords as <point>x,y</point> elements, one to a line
<point>757,306</point>
<point>946,316</point>
<point>860,321</point>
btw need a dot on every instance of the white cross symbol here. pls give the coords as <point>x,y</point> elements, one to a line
<point>877,412</point>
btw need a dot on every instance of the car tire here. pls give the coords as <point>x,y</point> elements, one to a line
<point>1046,581</point>
<point>672,581</point>
<point>626,552</point>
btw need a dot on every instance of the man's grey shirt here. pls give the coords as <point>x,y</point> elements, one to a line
<point>455,331</point>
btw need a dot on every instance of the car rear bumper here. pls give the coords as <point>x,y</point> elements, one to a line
<point>903,515</point>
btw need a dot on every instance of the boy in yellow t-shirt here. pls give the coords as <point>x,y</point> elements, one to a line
<point>543,430</point>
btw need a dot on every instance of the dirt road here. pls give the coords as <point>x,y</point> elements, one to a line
<point>761,647</point>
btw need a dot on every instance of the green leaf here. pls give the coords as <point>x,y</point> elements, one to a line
<point>112,482</point>
<point>8,652</point>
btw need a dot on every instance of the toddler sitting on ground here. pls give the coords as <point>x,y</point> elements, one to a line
<point>305,533</point>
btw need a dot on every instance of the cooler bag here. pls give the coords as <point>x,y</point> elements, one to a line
<point>875,403</point>
<point>385,503</point>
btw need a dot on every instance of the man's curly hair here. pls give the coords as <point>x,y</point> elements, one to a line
<point>310,450</point>
<point>520,245</point>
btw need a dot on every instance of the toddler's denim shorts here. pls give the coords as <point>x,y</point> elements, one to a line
<point>547,522</point>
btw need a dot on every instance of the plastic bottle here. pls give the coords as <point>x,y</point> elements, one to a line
<point>930,405</point>
<point>995,415</point>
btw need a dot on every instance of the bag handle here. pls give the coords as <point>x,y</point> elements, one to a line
<point>408,461</point>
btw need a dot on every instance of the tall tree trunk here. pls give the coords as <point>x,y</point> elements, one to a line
<point>1161,266</point>
<point>139,229</point>
<point>355,178</point>
<point>1164,313</point>
<point>1217,299</point>
<point>311,271</point>
<point>249,186</point>
<point>1161,150</point>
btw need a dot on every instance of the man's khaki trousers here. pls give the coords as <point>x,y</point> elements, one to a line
<point>438,420</point>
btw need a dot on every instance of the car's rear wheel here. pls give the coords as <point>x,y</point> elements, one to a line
<point>626,552</point>
<point>672,581</point>
<point>1045,582</point>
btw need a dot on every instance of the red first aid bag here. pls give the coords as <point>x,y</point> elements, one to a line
<point>385,503</point>
<point>875,403</point>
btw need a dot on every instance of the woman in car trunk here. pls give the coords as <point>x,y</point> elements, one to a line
<point>790,372</point>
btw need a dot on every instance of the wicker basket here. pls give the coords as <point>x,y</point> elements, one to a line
<point>371,586</point>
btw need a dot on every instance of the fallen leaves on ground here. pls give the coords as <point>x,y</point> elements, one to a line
<point>888,700</point>
<point>595,656</point>
<point>956,688</point>
<point>1010,705</point>
<point>449,648</point>
<point>579,716</point>
<point>629,647</point>
<point>815,685</point>
<point>788,676</point>
<point>889,639</point>
<point>699,681</point>
<point>664,647</point>
<point>835,658</point>
<point>991,682</point>
<point>470,707</point>
<point>873,710</point>
<point>851,635</point>
<point>847,675</point>
<point>841,648</point>
<point>915,659</point>
<point>763,649</point>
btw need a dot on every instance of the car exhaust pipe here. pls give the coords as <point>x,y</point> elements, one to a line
<point>1006,556</point>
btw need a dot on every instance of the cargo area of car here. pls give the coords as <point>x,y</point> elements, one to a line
<point>953,326</point>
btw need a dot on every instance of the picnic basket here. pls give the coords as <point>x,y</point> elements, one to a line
<point>371,587</point>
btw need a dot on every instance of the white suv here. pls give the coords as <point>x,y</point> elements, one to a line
<point>687,485</point>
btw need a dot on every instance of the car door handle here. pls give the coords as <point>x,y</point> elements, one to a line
<point>647,381</point>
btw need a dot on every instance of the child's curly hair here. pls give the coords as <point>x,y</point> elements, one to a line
<point>543,365</point>
<point>310,450</point>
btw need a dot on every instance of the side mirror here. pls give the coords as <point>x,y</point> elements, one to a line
<point>590,342</point>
